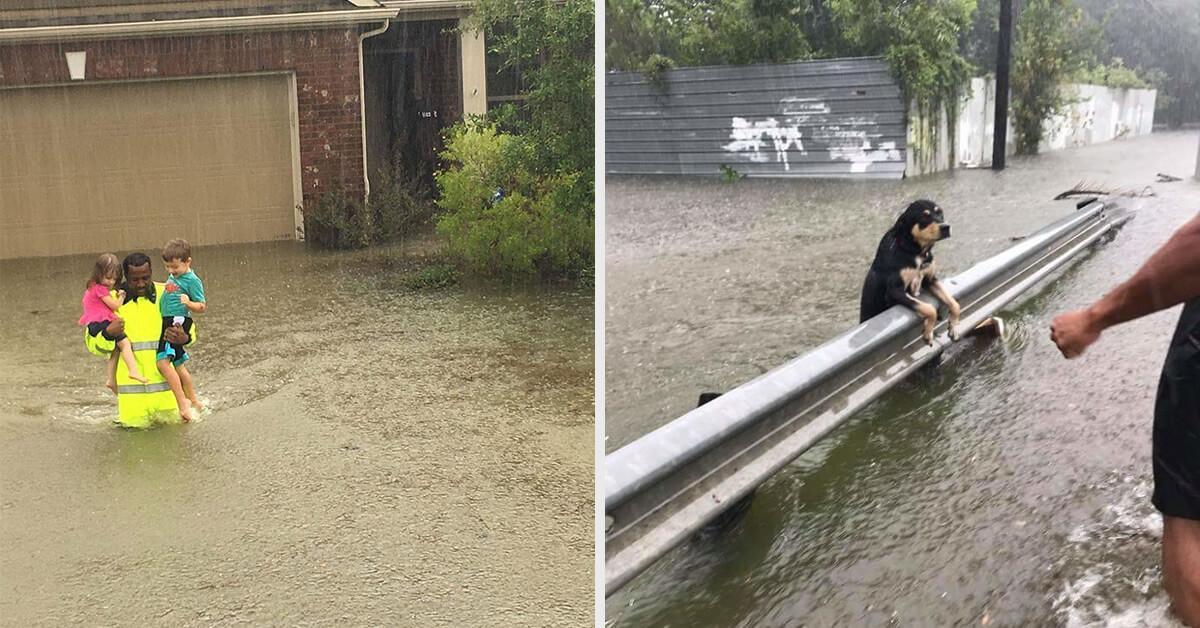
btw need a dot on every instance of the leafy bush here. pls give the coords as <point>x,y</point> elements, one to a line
<point>655,69</point>
<point>536,226</point>
<point>338,221</point>
<point>920,41</point>
<point>541,158</point>
<point>400,205</point>
<point>433,277</point>
<point>397,207</point>
<point>1115,75</point>
<point>1045,54</point>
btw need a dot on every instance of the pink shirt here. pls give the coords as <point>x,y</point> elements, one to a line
<point>94,310</point>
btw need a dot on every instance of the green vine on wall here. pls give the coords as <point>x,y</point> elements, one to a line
<point>922,43</point>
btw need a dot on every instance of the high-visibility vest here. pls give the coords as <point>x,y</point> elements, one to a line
<point>140,405</point>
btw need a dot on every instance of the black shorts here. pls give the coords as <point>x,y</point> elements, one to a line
<point>98,328</point>
<point>173,352</point>
<point>1177,431</point>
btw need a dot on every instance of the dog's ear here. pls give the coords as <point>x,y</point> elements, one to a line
<point>906,220</point>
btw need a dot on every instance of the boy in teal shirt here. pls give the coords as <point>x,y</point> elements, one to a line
<point>183,295</point>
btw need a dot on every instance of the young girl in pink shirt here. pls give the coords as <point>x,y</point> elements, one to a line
<point>99,309</point>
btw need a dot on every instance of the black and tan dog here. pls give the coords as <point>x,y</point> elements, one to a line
<point>904,265</point>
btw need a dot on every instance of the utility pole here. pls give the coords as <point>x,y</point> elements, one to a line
<point>1003,56</point>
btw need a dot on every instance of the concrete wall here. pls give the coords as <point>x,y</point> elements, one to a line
<point>1098,114</point>
<point>929,143</point>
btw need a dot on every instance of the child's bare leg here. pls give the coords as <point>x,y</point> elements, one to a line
<point>185,380</point>
<point>169,374</point>
<point>112,373</point>
<point>130,362</point>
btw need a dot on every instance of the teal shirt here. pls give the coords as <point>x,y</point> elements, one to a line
<point>187,283</point>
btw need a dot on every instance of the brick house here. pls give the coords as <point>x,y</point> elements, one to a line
<point>125,122</point>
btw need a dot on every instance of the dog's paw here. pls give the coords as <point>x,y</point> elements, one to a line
<point>954,334</point>
<point>928,338</point>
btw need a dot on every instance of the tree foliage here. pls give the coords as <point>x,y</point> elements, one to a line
<point>1046,54</point>
<point>518,188</point>
<point>1159,39</point>
<point>922,42</point>
<point>1114,75</point>
<point>552,42</point>
<point>530,228</point>
<point>704,32</point>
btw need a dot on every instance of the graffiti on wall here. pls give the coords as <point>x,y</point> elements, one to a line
<point>751,137</point>
<point>760,140</point>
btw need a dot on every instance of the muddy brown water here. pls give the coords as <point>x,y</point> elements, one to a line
<point>1010,488</point>
<point>371,456</point>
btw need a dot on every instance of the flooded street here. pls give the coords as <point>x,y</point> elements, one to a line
<point>372,455</point>
<point>1011,488</point>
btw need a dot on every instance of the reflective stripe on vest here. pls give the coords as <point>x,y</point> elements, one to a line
<point>133,389</point>
<point>144,346</point>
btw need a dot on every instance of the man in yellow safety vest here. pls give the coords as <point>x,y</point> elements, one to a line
<point>140,405</point>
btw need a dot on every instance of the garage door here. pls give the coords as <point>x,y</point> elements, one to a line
<point>110,167</point>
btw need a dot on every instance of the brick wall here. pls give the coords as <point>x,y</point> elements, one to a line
<point>325,63</point>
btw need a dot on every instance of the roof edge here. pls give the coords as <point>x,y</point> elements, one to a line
<point>84,32</point>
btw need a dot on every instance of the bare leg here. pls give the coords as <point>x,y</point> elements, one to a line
<point>185,380</point>
<point>130,362</point>
<point>1181,567</point>
<point>169,374</point>
<point>112,373</point>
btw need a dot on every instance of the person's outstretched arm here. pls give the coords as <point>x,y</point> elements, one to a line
<point>1170,277</point>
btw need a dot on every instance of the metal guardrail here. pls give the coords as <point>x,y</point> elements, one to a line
<point>663,487</point>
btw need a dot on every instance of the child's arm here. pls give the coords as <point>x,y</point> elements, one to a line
<point>195,307</point>
<point>113,304</point>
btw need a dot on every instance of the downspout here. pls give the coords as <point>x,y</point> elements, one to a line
<point>362,104</point>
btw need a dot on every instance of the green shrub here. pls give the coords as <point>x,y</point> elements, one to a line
<point>540,225</point>
<point>433,277</point>
<point>1115,75</point>
<point>655,70</point>
<point>338,221</point>
<point>400,205</point>
<point>1045,54</point>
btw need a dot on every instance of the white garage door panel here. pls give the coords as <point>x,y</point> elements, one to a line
<point>110,167</point>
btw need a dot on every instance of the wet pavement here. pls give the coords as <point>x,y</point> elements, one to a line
<point>371,456</point>
<point>1011,488</point>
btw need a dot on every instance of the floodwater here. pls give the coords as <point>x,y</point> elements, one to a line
<point>371,456</point>
<point>1009,488</point>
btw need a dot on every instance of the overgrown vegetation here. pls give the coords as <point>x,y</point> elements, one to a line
<point>703,32</point>
<point>517,191</point>
<point>922,41</point>
<point>1046,54</point>
<point>503,217</point>
<point>431,277</point>
<point>655,68</point>
<point>398,206</point>
<point>934,46</point>
<point>1115,75</point>
<point>1157,38</point>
